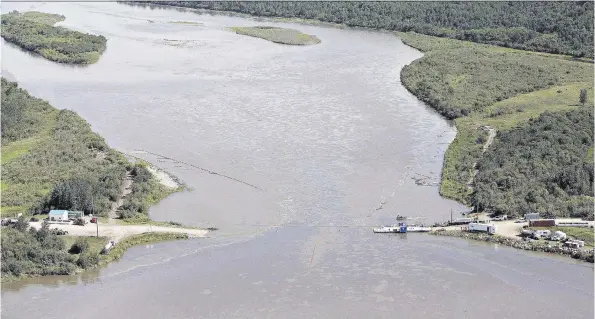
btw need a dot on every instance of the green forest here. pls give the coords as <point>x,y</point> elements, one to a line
<point>52,159</point>
<point>35,32</point>
<point>562,27</point>
<point>487,87</point>
<point>544,166</point>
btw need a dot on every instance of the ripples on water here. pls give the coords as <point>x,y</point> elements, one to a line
<point>326,131</point>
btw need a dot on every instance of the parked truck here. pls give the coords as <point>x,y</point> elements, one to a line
<point>485,228</point>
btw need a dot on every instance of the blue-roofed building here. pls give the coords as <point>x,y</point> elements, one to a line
<point>58,215</point>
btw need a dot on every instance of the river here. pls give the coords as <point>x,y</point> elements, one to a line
<point>320,143</point>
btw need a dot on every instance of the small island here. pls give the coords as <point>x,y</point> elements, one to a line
<point>278,35</point>
<point>35,31</point>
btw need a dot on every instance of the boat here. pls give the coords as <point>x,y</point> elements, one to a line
<point>402,228</point>
<point>388,229</point>
<point>399,228</point>
<point>399,217</point>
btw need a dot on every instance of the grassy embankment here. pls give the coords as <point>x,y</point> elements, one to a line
<point>51,158</point>
<point>35,32</point>
<point>278,35</point>
<point>118,251</point>
<point>483,85</point>
<point>33,254</point>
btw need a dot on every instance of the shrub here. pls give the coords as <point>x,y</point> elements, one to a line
<point>80,246</point>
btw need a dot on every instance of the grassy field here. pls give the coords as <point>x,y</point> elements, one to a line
<point>278,35</point>
<point>482,85</point>
<point>35,32</point>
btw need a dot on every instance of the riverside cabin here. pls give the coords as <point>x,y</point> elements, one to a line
<point>58,216</point>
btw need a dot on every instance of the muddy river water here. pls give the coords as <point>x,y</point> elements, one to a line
<point>320,143</point>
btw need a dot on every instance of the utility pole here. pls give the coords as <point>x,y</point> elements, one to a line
<point>96,219</point>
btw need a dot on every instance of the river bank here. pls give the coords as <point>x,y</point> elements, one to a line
<point>585,255</point>
<point>326,132</point>
<point>118,232</point>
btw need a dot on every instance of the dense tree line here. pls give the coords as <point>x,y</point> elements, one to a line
<point>548,26</point>
<point>459,78</point>
<point>34,31</point>
<point>27,251</point>
<point>544,166</point>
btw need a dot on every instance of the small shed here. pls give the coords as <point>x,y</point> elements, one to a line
<point>58,215</point>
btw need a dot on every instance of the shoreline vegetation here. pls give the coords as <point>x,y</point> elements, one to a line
<point>559,28</point>
<point>517,94</point>
<point>35,32</point>
<point>79,253</point>
<point>52,159</point>
<point>277,35</point>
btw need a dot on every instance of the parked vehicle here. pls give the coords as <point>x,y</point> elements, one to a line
<point>500,217</point>
<point>558,235</point>
<point>108,247</point>
<point>544,233</point>
<point>485,228</point>
<point>527,233</point>
<point>94,220</point>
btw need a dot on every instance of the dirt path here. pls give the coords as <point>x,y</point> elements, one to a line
<point>118,232</point>
<point>486,145</point>
<point>125,189</point>
<point>506,228</point>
